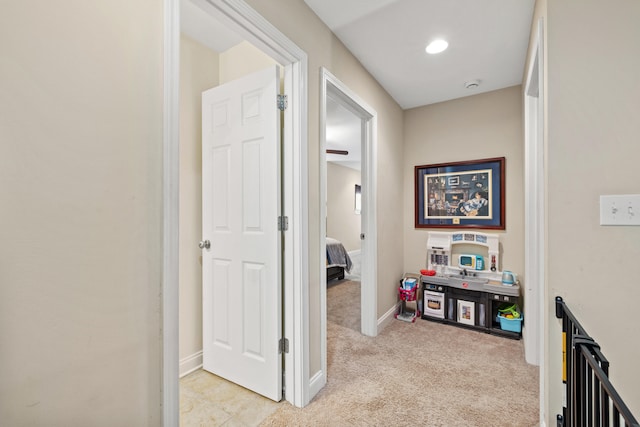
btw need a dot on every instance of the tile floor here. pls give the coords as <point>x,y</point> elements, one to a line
<point>207,400</point>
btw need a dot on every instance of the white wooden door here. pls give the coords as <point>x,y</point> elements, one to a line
<point>241,203</point>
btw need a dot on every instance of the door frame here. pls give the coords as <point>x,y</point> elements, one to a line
<point>535,207</point>
<point>333,87</point>
<point>243,19</point>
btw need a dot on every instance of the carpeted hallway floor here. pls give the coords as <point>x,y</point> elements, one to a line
<point>422,373</point>
<point>343,304</point>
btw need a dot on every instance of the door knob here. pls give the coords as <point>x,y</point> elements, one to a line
<point>204,244</point>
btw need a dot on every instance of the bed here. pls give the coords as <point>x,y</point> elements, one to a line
<point>337,260</point>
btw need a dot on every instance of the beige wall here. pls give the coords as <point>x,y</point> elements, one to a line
<point>242,60</point>
<point>80,212</point>
<point>593,127</point>
<point>81,200</point>
<point>199,71</point>
<point>303,27</point>
<point>476,127</point>
<point>342,221</point>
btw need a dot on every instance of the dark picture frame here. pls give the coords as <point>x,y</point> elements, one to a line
<point>467,194</point>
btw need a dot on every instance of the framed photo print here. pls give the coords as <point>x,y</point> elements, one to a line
<point>461,194</point>
<point>466,312</point>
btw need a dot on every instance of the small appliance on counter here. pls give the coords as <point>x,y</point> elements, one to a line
<point>473,262</point>
<point>509,278</point>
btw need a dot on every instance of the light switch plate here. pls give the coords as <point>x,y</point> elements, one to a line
<point>621,209</point>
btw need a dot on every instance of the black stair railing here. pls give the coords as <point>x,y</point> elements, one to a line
<point>591,399</point>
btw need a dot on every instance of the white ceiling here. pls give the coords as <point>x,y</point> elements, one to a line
<point>206,29</point>
<point>488,41</point>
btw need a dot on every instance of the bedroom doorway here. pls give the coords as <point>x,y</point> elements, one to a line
<point>343,218</point>
<point>341,106</point>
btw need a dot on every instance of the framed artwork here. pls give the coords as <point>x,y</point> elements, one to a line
<point>466,312</point>
<point>461,194</point>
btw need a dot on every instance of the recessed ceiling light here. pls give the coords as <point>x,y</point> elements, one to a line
<point>437,46</point>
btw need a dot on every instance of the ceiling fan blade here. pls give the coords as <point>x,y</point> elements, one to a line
<point>341,152</point>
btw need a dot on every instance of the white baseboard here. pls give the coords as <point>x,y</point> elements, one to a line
<point>316,383</point>
<point>387,317</point>
<point>190,363</point>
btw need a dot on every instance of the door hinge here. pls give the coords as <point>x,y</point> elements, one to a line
<point>283,345</point>
<point>283,223</point>
<point>283,102</point>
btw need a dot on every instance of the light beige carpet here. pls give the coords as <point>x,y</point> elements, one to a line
<point>420,374</point>
<point>343,303</point>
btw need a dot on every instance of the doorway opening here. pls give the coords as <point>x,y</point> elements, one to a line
<point>343,220</point>
<point>336,96</point>
<point>238,17</point>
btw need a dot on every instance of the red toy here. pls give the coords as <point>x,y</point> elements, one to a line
<point>407,295</point>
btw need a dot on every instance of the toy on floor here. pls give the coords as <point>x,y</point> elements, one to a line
<point>407,291</point>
